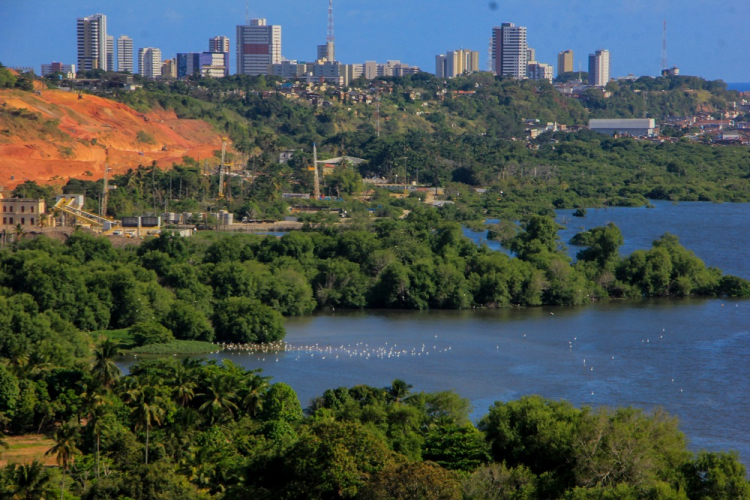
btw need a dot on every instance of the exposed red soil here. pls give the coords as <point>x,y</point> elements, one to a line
<point>76,147</point>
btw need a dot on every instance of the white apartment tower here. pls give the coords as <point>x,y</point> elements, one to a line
<point>599,68</point>
<point>92,42</point>
<point>258,47</point>
<point>125,54</point>
<point>110,53</point>
<point>149,62</point>
<point>510,50</point>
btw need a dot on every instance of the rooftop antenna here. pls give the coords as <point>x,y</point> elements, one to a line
<point>247,12</point>
<point>664,47</point>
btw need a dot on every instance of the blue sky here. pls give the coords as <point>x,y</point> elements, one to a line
<point>708,38</point>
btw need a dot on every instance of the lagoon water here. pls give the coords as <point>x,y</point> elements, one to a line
<point>688,356</point>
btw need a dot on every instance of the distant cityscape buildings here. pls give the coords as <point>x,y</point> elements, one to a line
<point>258,47</point>
<point>599,68</point>
<point>68,70</point>
<point>125,54</point>
<point>565,62</point>
<point>149,62</point>
<point>456,63</point>
<point>92,42</point>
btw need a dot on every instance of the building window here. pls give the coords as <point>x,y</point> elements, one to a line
<point>32,222</point>
<point>23,221</point>
<point>23,209</point>
<point>11,220</point>
<point>32,210</point>
<point>11,209</point>
<point>5,220</point>
<point>5,209</point>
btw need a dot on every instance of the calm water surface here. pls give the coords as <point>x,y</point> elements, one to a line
<point>688,356</point>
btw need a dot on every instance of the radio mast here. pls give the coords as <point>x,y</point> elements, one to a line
<point>664,47</point>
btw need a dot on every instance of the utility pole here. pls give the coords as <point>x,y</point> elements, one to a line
<point>105,191</point>
<point>315,167</point>
<point>221,169</point>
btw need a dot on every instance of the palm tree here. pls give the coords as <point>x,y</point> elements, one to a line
<point>148,410</point>
<point>257,387</point>
<point>65,450</point>
<point>31,482</point>
<point>94,406</point>
<point>399,390</point>
<point>218,397</point>
<point>19,232</point>
<point>182,386</point>
<point>104,368</point>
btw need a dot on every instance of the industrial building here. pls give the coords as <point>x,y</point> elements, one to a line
<point>23,211</point>
<point>636,127</point>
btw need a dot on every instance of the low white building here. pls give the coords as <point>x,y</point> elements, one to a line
<point>636,127</point>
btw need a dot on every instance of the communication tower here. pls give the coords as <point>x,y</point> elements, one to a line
<point>664,47</point>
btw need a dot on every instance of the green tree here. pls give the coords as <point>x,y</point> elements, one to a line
<point>218,398</point>
<point>243,320</point>
<point>148,333</point>
<point>29,481</point>
<point>716,475</point>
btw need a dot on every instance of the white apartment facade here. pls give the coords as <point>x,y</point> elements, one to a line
<point>599,68</point>
<point>149,62</point>
<point>510,50</point>
<point>125,54</point>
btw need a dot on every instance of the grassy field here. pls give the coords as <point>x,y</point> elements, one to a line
<point>122,337</point>
<point>23,449</point>
<point>177,347</point>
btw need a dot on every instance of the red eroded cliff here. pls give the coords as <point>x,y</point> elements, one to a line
<point>50,136</point>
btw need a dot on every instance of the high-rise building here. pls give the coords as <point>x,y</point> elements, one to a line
<point>218,44</point>
<point>125,54</point>
<point>530,55</point>
<point>110,53</point>
<point>540,71</point>
<point>564,62</point>
<point>599,68</point>
<point>149,62</point>
<point>258,47</point>
<point>213,64</point>
<point>456,63</point>
<point>510,50</point>
<point>169,68</point>
<point>92,42</point>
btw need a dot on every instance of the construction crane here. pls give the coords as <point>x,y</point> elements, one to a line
<point>221,170</point>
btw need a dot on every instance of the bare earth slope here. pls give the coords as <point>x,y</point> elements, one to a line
<point>53,136</point>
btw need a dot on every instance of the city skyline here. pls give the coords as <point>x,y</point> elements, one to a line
<point>702,40</point>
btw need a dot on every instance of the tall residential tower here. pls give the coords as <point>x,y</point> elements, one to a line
<point>564,62</point>
<point>149,62</point>
<point>599,68</point>
<point>258,47</point>
<point>110,53</point>
<point>125,54</point>
<point>92,42</point>
<point>510,50</point>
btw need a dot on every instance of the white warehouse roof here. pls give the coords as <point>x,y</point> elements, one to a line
<point>622,123</point>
